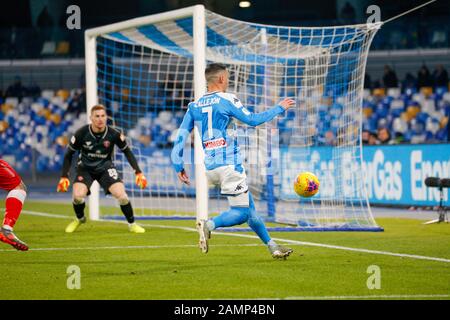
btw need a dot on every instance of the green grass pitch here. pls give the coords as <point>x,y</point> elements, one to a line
<point>165,262</point>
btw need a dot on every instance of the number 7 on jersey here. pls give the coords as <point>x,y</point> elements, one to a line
<point>208,110</point>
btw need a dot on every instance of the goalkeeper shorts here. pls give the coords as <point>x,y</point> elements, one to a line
<point>106,178</point>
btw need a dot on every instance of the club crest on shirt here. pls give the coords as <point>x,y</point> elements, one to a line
<point>80,178</point>
<point>106,143</point>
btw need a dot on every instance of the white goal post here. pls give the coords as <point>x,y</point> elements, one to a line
<point>199,47</point>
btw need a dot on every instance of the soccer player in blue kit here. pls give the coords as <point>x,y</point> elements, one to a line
<point>212,113</point>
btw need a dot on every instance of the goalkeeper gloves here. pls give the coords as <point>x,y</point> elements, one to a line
<point>63,185</point>
<point>141,180</point>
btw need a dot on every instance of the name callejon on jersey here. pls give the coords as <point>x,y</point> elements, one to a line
<point>212,114</point>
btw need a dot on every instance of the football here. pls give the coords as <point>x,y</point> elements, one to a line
<point>306,184</point>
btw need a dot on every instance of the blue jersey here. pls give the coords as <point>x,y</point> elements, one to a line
<point>212,115</point>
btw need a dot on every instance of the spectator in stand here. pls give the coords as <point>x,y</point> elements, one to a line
<point>13,45</point>
<point>330,139</point>
<point>365,136</point>
<point>389,78</point>
<point>377,84</point>
<point>448,131</point>
<point>348,14</point>
<point>367,81</point>
<point>409,81</point>
<point>373,140</point>
<point>34,90</point>
<point>16,89</point>
<point>77,104</point>
<point>440,76</point>
<point>424,78</point>
<point>45,24</point>
<point>384,136</point>
<point>399,138</point>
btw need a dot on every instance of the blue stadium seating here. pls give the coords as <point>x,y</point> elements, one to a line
<point>43,125</point>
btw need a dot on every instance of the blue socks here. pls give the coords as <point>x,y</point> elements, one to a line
<point>256,223</point>
<point>239,215</point>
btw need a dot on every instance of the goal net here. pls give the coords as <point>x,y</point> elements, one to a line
<point>146,70</point>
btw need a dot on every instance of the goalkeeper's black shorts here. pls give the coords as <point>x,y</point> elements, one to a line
<point>105,178</point>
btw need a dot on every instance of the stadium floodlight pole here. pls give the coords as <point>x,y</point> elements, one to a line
<point>201,184</point>
<point>198,14</point>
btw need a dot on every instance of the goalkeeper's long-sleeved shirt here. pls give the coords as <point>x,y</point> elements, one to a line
<point>96,150</point>
<point>212,115</point>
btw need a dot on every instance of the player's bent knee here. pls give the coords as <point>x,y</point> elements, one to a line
<point>123,199</point>
<point>77,200</point>
<point>79,193</point>
<point>243,214</point>
<point>21,186</point>
<point>78,197</point>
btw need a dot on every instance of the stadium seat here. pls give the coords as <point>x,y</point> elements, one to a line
<point>63,48</point>
<point>13,101</point>
<point>42,123</point>
<point>422,117</point>
<point>426,91</point>
<point>63,94</point>
<point>6,108</point>
<point>428,106</point>
<point>439,38</point>
<point>48,94</point>
<point>440,91</point>
<point>446,97</point>
<point>397,104</point>
<point>432,125</point>
<point>379,92</point>
<point>394,92</point>
<point>410,91</point>
<point>48,48</point>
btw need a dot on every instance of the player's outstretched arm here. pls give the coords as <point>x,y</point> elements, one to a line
<point>141,180</point>
<point>254,119</point>
<point>74,145</point>
<point>183,177</point>
<point>178,147</point>
<point>121,142</point>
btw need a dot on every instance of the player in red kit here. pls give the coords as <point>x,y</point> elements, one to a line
<point>11,182</point>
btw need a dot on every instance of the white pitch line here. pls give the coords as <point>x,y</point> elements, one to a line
<point>394,296</point>
<point>49,215</point>
<point>391,296</point>
<point>313,244</point>
<point>134,247</point>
